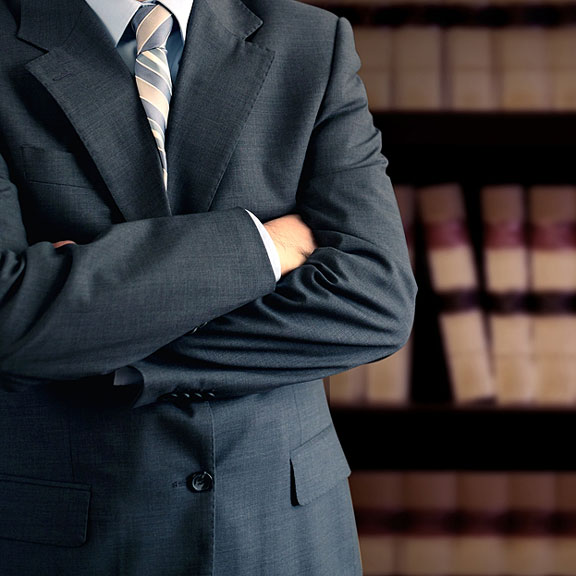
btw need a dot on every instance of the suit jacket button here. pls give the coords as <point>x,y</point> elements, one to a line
<point>200,482</point>
<point>179,399</point>
<point>170,397</point>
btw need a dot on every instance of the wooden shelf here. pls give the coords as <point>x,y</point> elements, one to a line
<point>472,129</point>
<point>453,14</point>
<point>478,149</point>
<point>457,438</point>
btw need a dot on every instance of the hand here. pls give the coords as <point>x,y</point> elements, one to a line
<point>62,243</point>
<point>293,240</point>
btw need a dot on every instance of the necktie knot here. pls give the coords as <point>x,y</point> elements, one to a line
<point>152,25</point>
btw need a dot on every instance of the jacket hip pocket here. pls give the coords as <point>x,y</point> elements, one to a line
<point>317,466</point>
<point>43,512</point>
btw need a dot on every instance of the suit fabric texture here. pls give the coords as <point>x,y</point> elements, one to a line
<point>223,459</point>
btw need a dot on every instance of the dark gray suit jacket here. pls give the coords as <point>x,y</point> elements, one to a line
<point>224,460</point>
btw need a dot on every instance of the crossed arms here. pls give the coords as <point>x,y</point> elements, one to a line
<point>135,295</point>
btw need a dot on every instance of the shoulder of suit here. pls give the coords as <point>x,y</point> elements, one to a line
<point>294,14</point>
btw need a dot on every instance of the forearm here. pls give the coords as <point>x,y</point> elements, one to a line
<point>83,310</point>
<point>353,300</point>
<point>351,303</point>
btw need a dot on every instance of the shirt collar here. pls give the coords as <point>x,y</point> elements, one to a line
<point>117,14</point>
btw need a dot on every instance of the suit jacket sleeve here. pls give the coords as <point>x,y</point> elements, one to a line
<point>353,300</point>
<point>84,310</point>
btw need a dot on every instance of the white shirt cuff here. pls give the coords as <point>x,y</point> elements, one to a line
<point>270,247</point>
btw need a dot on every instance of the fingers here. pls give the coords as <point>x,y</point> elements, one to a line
<point>62,243</point>
<point>293,239</point>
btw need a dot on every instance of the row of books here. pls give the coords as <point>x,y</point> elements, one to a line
<point>468,68</point>
<point>507,318</point>
<point>464,523</point>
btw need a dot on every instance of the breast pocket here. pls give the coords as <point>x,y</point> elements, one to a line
<point>43,512</point>
<point>55,167</point>
<point>64,197</point>
<point>317,466</point>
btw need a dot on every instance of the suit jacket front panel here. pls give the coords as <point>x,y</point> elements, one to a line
<point>63,194</point>
<point>76,139</point>
<point>280,503</point>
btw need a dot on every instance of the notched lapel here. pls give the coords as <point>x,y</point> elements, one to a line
<point>221,75</point>
<point>86,76</point>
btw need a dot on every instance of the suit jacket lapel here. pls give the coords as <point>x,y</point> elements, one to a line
<point>220,76</point>
<point>86,76</point>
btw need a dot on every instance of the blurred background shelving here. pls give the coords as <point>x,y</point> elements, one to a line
<point>475,149</point>
<point>470,94</point>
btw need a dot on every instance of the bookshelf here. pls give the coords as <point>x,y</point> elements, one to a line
<point>493,454</point>
<point>474,149</point>
<point>441,437</point>
<point>479,148</point>
<point>438,486</point>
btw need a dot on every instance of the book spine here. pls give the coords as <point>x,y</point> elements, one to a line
<point>374,46</point>
<point>553,279</point>
<point>507,286</point>
<point>417,68</point>
<point>565,525</point>
<point>469,68</point>
<point>348,388</point>
<point>482,507</point>
<point>562,42</point>
<point>521,58</point>
<point>426,546</point>
<point>454,279</point>
<point>378,506</point>
<point>530,548</point>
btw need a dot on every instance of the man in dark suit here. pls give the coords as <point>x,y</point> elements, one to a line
<point>166,318</point>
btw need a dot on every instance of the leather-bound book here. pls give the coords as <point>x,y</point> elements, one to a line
<point>347,388</point>
<point>417,68</point>
<point>522,65</point>
<point>482,507</point>
<point>426,545</point>
<point>374,46</point>
<point>562,42</point>
<point>565,525</point>
<point>470,68</point>
<point>507,277</point>
<point>553,280</point>
<point>454,279</point>
<point>378,505</point>
<point>531,503</point>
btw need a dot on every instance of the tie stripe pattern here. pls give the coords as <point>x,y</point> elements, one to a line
<point>152,25</point>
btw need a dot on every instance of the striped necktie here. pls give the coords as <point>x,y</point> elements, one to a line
<point>152,25</point>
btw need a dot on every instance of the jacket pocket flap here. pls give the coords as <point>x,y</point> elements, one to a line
<point>318,465</point>
<point>43,512</point>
